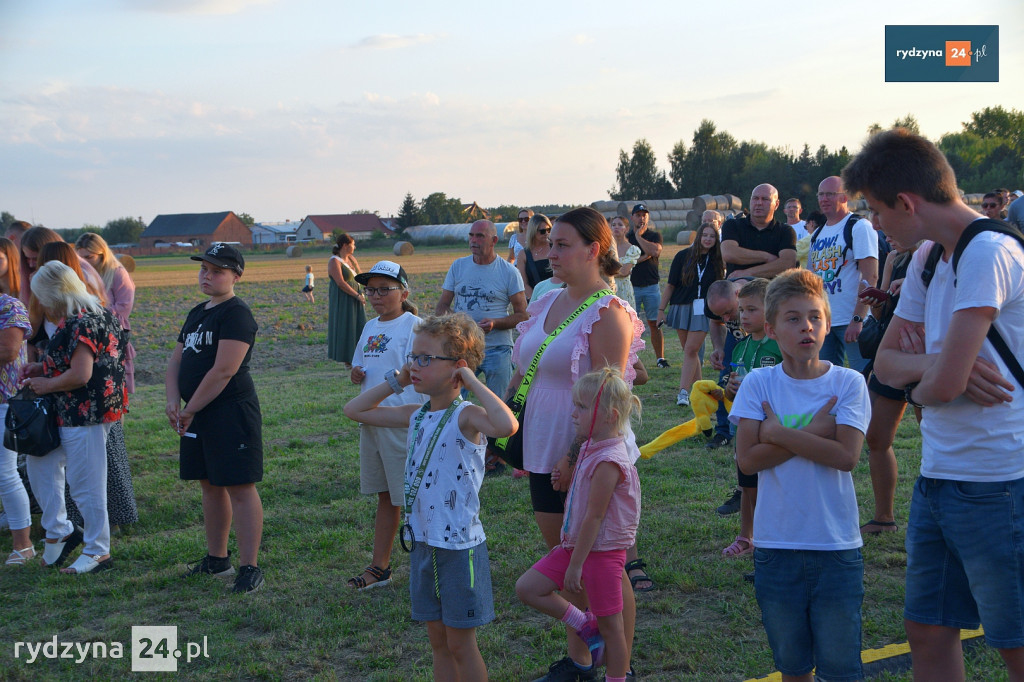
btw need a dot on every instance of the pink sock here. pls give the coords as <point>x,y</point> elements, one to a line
<point>573,617</point>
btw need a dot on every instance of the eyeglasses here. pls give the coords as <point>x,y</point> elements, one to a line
<point>424,360</point>
<point>543,230</point>
<point>989,205</point>
<point>524,220</point>
<point>828,195</point>
<point>379,291</point>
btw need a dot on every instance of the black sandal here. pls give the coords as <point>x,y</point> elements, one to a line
<point>639,565</point>
<point>381,576</point>
<point>883,527</point>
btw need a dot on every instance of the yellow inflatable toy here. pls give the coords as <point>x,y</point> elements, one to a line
<point>704,399</point>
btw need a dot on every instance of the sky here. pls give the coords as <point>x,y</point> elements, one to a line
<point>284,108</point>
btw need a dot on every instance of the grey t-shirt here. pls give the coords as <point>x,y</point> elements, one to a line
<point>484,291</point>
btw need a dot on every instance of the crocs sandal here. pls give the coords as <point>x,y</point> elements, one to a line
<point>381,576</point>
<point>741,546</point>
<point>639,565</point>
<point>19,557</point>
<point>879,527</point>
<point>55,553</point>
<point>86,563</point>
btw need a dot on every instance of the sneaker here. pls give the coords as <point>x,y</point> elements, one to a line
<point>683,398</point>
<point>249,579</point>
<point>732,505</point>
<point>718,441</point>
<point>565,670</point>
<point>663,363</point>
<point>219,566</point>
<point>592,636</point>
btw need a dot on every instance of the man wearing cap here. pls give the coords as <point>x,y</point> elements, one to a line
<point>646,278</point>
<point>484,286</point>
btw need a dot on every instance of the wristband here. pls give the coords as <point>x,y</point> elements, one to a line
<point>907,390</point>
<point>392,379</point>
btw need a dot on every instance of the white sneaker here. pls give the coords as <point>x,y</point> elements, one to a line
<point>683,399</point>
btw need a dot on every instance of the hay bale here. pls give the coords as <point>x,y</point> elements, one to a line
<point>703,203</point>
<point>655,205</point>
<point>685,237</point>
<point>403,249</point>
<point>722,202</point>
<point>294,251</point>
<point>127,261</point>
<point>693,219</point>
<point>675,216</point>
<point>605,206</point>
<point>679,204</point>
<point>735,203</point>
<point>623,208</point>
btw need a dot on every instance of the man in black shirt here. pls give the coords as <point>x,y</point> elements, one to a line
<point>645,277</point>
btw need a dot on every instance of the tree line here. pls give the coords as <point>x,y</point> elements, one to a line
<point>117,231</point>
<point>986,153</point>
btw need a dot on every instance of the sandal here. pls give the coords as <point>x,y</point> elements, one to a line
<point>879,527</point>
<point>19,557</point>
<point>381,576</point>
<point>86,563</point>
<point>639,565</point>
<point>741,546</point>
<point>55,553</point>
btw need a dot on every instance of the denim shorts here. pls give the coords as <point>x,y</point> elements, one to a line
<point>497,369</point>
<point>451,585</point>
<point>965,557</point>
<point>810,607</point>
<point>648,298</point>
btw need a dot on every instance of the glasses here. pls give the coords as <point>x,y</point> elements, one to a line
<point>829,195</point>
<point>424,360</point>
<point>524,220</point>
<point>379,291</point>
<point>989,205</point>
<point>543,230</point>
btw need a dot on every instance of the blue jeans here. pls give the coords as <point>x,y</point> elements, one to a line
<point>965,557</point>
<point>836,350</point>
<point>810,607</point>
<point>497,369</point>
<point>723,426</point>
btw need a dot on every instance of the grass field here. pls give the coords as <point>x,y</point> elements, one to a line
<point>702,623</point>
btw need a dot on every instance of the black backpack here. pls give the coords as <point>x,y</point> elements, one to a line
<point>972,231</point>
<point>851,220</point>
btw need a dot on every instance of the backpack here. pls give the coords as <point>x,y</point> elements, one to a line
<point>972,231</point>
<point>851,220</point>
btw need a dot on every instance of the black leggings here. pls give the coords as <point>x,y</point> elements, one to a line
<point>544,497</point>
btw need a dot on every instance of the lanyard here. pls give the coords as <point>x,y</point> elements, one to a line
<point>700,274</point>
<point>413,488</point>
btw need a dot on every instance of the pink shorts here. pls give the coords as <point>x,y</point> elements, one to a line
<point>602,576</point>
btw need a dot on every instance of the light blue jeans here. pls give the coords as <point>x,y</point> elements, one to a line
<point>837,351</point>
<point>497,369</point>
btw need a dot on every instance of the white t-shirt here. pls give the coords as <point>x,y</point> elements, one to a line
<point>382,347</point>
<point>803,504</point>
<point>841,277</point>
<point>446,511</point>
<point>800,227</point>
<point>962,440</point>
<point>484,291</point>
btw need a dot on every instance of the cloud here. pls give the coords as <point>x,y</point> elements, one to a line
<point>582,39</point>
<point>389,41</point>
<point>194,6</point>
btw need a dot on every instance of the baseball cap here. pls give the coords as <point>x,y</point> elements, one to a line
<point>224,256</point>
<point>640,207</point>
<point>385,268</point>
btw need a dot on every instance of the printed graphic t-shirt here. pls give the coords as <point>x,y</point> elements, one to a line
<point>203,330</point>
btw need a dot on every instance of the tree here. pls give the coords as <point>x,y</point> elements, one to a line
<point>638,177</point>
<point>999,123</point>
<point>709,165</point>
<point>409,214</point>
<point>247,219</point>
<point>124,230</point>
<point>6,219</point>
<point>438,209</point>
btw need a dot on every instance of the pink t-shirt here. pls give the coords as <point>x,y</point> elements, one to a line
<point>618,528</point>
<point>547,422</point>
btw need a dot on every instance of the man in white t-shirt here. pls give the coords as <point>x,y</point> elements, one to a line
<point>485,286</point>
<point>792,210</point>
<point>842,267</point>
<point>965,535</point>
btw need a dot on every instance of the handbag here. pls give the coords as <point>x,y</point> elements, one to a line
<point>31,423</point>
<point>871,337</point>
<point>510,448</point>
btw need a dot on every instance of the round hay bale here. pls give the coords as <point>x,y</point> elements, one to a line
<point>685,237</point>
<point>655,205</point>
<point>735,203</point>
<point>678,204</point>
<point>703,203</point>
<point>604,206</point>
<point>127,261</point>
<point>675,216</point>
<point>294,251</point>
<point>403,249</point>
<point>693,219</point>
<point>721,202</point>
<point>622,208</point>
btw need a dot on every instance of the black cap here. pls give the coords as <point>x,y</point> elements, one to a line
<point>640,207</point>
<point>224,256</point>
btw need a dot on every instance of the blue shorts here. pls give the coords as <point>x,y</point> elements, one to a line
<point>649,299</point>
<point>810,607</point>
<point>965,558</point>
<point>451,585</point>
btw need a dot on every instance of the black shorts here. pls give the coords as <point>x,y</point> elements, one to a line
<point>228,447</point>
<point>545,498</point>
<point>745,480</point>
<point>877,387</point>
<point>306,290</point>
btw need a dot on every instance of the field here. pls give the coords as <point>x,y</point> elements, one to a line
<point>702,623</point>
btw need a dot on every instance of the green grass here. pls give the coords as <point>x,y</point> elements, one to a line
<point>702,623</point>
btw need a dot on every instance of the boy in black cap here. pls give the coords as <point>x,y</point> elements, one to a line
<point>221,424</point>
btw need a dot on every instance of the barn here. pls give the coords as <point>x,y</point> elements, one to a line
<point>197,229</point>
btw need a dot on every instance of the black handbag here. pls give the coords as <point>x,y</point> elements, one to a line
<point>31,424</point>
<point>871,337</point>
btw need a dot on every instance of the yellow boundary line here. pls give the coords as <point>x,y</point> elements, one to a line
<point>874,655</point>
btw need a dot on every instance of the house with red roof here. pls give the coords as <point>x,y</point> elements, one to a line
<point>318,228</point>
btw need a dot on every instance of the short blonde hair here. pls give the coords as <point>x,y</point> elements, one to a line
<point>60,290</point>
<point>615,394</point>
<point>790,284</point>
<point>461,337</point>
<point>536,221</point>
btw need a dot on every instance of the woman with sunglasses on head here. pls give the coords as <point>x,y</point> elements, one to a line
<point>517,241</point>
<point>532,262</point>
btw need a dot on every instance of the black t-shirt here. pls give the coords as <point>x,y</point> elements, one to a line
<point>645,273</point>
<point>203,330</point>
<point>685,294</point>
<point>774,239</point>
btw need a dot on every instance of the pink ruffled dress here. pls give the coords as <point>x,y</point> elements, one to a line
<point>547,423</point>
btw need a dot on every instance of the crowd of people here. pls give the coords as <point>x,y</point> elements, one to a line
<point>813,362</point>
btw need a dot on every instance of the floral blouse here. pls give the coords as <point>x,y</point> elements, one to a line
<point>104,398</point>
<point>12,314</point>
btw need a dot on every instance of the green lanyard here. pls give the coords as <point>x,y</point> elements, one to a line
<point>519,399</point>
<point>413,488</point>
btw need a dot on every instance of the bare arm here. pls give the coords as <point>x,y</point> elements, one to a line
<point>840,453</point>
<point>765,455</point>
<point>11,339</point>
<point>335,271</point>
<point>734,254</point>
<point>76,377</point>
<point>718,332</point>
<point>650,249</point>
<point>521,267</point>
<point>666,299</point>
<point>444,304</point>
<point>171,388</point>
<point>230,353</point>
<point>602,485</point>
<point>784,261</point>
<point>518,301</point>
<point>365,408</point>
<point>491,417</point>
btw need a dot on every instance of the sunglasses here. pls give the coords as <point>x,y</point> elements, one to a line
<point>543,230</point>
<point>423,360</point>
<point>989,205</point>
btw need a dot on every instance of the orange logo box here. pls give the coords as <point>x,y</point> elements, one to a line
<point>958,53</point>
